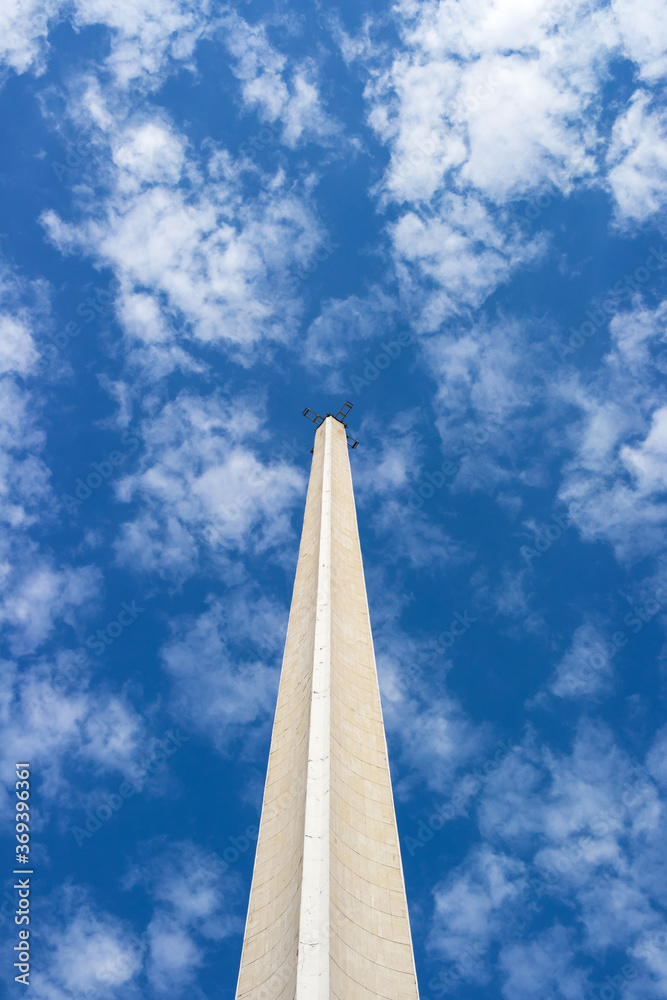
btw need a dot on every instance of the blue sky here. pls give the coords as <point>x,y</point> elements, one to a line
<point>451,214</point>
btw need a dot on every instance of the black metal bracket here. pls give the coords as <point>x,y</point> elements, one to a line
<point>316,418</point>
<point>340,417</point>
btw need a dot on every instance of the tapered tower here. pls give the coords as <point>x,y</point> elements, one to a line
<point>328,916</point>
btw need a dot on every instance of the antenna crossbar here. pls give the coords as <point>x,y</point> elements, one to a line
<point>317,419</point>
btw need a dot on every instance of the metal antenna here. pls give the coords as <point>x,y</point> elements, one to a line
<point>315,417</point>
<point>343,412</point>
<point>340,417</point>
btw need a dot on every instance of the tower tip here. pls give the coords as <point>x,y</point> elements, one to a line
<point>317,419</point>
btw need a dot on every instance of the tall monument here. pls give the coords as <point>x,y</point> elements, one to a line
<point>328,915</point>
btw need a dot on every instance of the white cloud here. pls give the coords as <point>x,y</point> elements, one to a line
<point>94,951</point>
<point>49,714</point>
<point>386,469</point>
<point>543,967</point>
<point>411,536</point>
<point>636,335</point>
<point>491,95</point>
<point>503,92</point>
<point>174,956</point>
<point>648,461</point>
<point>480,105</point>
<point>484,103</point>
<point>17,348</point>
<point>644,36</point>
<point>86,952</point>
<point>586,668</point>
<point>35,594</point>
<point>53,717</point>
<point>591,821</point>
<point>615,911</point>
<point>193,889</point>
<point>197,260</point>
<point>24,28</point>
<point>433,735</point>
<point>657,758</point>
<point>223,665</point>
<point>583,796</point>
<point>490,368</point>
<point>494,392</point>
<point>521,124</point>
<point>279,90</point>
<point>390,463</point>
<point>650,952</point>
<point>638,160</point>
<point>193,905</point>
<point>334,335</point>
<point>24,478</point>
<point>459,251</point>
<point>149,154</point>
<point>202,487</point>
<point>145,36</point>
<point>614,483</point>
<point>24,311</point>
<point>113,735</point>
<point>40,596</point>
<point>478,903</point>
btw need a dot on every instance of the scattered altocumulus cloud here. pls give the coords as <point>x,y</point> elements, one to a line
<point>202,490</point>
<point>87,951</point>
<point>223,666</point>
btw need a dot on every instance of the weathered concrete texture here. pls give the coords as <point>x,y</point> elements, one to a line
<point>327,916</point>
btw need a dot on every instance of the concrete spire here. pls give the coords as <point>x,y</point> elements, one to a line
<point>327,916</point>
